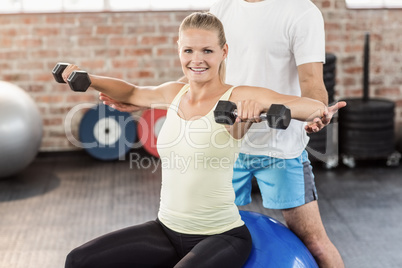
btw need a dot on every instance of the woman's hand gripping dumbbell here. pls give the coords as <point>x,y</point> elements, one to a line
<point>278,115</point>
<point>78,80</point>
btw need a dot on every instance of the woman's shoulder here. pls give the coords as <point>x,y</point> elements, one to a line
<point>171,89</point>
<point>172,85</point>
<point>241,92</point>
<point>250,92</point>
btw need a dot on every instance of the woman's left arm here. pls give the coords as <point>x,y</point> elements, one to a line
<point>302,108</point>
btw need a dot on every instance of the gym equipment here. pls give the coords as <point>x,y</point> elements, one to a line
<point>274,245</point>
<point>149,126</point>
<point>366,126</point>
<point>329,75</point>
<point>107,134</point>
<point>78,81</point>
<point>278,115</point>
<point>20,129</point>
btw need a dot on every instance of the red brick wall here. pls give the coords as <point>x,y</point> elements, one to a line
<point>141,47</point>
<point>345,30</point>
<point>138,47</point>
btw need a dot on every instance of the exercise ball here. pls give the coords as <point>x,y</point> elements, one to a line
<point>274,245</point>
<point>20,129</point>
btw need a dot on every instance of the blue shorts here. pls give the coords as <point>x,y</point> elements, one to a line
<point>284,183</point>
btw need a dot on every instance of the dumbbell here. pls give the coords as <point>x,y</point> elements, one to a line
<point>78,80</point>
<point>278,115</point>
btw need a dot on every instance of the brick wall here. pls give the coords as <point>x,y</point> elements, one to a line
<point>138,47</point>
<point>345,30</point>
<point>141,47</point>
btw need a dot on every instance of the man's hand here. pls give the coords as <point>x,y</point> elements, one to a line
<point>320,123</point>
<point>120,106</point>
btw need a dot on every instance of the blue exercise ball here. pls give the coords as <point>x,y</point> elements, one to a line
<point>20,129</point>
<point>274,245</point>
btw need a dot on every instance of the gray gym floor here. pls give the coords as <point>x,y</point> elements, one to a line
<point>64,199</point>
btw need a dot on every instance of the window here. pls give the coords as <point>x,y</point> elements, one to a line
<point>34,6</point>
<point>374,3</point>
<point>160,4</point>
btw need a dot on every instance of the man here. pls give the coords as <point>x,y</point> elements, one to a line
<point>279,44</point>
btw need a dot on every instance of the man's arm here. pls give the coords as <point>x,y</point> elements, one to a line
<point>311,81</point>
<point>127,107</point>
<point>312,86</point>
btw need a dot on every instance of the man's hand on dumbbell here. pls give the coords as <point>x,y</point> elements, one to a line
<point>226,112</point>
<point>77,79</point>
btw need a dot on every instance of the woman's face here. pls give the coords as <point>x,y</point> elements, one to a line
<point>200,54</point>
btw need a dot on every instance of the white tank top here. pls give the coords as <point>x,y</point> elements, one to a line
<point>197,158</point>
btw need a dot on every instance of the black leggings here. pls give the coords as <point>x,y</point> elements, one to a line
<point>154,245</point>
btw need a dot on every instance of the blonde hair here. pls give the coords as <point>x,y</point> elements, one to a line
<point>207,21</point>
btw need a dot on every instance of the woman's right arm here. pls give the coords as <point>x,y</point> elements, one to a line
<point>142,96</point>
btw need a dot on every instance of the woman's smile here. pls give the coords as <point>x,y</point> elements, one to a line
<point>198,70</point>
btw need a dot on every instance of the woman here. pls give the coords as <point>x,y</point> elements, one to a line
<point>198,223</point>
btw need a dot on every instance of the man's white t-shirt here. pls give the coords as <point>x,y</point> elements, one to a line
<point>267,41</point>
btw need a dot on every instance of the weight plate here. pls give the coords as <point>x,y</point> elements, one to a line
<point>319,148</point>
<point>368,117</point>
<point>366,144</point>
<point>361,106</point>
<point>329,58</point>
<point>329,76</point>
<point>107,134</point>
<point>149,127</point>
<point>318,136</point>
<point>375,125</point>
<point>329,70</point>
<point>107,131</point>
<point>329,84</point>
<point>367,136</point>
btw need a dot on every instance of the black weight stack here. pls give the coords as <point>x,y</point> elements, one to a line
<point>323,145</point>
<point>329,75</point>
<point>366,126</point>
